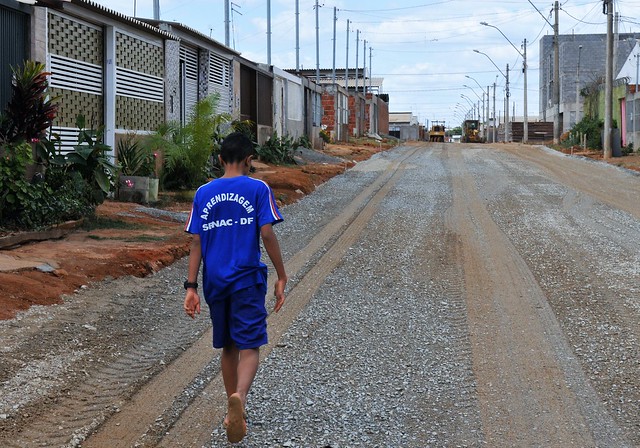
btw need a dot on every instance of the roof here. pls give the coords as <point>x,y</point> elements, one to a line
<point>351,82</point>
<point>93,6</point>
<point>181,28</point>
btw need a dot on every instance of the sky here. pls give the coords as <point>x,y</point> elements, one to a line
<point>424,49</point>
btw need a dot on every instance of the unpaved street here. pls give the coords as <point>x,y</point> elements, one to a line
<point>441,295</point>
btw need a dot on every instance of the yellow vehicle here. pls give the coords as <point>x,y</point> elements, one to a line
<point>437,132</point>
<point>471,132</point>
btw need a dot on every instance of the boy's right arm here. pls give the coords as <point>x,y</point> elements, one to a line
<point>192,299</point>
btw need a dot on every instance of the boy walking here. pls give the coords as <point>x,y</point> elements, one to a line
<point>228,217</point>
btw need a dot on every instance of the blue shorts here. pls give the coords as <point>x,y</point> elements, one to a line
<point>240,318</point>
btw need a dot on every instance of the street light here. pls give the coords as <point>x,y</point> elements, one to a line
<point>506,112</point>
<point>471,103</point>
<point>525,124</point>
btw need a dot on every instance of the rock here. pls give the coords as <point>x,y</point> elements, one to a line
<point>60,273</point>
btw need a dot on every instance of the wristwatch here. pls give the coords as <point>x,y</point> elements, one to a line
<point>189,284</point>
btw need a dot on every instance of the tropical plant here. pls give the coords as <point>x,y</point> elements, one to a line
<point>277,150</point>
<point>134,158</point>
<point>90,160</point>
<point>188,149</point>
<point>304,142</point>
<point>30,111</point>
<point>325,136</point>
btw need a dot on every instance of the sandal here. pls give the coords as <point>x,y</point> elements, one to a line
<point>237,426</point>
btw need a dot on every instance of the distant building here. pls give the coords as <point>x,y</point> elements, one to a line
<point>353,106</point>
<point>590,51</point>
<point>404,125</point>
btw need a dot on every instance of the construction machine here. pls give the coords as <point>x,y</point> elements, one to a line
<point>471,132</point>
<point>437,132</point>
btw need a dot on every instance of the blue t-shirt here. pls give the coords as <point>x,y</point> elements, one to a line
<point>228,213</point>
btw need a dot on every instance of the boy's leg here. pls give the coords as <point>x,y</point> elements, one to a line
<point>229,364</point>
<point>247,369</point>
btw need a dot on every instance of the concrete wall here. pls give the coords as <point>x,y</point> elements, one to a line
<point>357,105</point>
<point>172,79</point>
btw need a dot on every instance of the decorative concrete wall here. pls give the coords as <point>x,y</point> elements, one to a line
<point>172,79</point>
<point>87,48</point>
<point>135,110</point>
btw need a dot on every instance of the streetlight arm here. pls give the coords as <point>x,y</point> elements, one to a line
<point>474,92</point>
<point>503,35</point>
<point>494,64</point>
<point>462,95</point>
<point>475,80</point>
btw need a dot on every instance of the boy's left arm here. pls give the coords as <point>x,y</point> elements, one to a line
<point>273,250</point>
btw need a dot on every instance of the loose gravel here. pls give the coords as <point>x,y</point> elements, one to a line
<point>381,356</point>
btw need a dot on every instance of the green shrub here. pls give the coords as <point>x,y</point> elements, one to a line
<point>304,142</point>
<point>325,136</point>
<point>135,159</point>
<point>592,128</point>
<point>90,160</point>
<point>277,150</point>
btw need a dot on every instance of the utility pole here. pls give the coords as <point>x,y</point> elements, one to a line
<point>317,44</point>
<point>525,124</point>
<point>608,102</point>
<point>494,112</point>
<point>556,75</point>
<point>370,70</point>
<point>578,85</point>
<point>336,118</point>
<point>297,36</point>
<point>616,40</point>
<point>635,94</point>
<point>226,22</point>
<point>482,112</point>
<point>507,125</point>
<point>486,124</point>
<point>156,9</point>
<point>364,66</point>
<point>315,95</point>
<point>333,71</point>
<point>346,65</point>
<point>357,45</point>
<point>269,32</point>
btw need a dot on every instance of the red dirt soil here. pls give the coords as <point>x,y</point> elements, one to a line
<point>141,244</point>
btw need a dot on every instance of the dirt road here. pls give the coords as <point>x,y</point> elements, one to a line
<point>441,295</point>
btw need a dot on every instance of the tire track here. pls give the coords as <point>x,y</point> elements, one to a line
<point>531,389</point>
<point>585,176</point>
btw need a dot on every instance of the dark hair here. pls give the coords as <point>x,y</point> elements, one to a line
<point>235,148</point>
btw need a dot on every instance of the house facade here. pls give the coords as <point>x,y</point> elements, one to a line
<point>352,107</point>
<point>130,75</point>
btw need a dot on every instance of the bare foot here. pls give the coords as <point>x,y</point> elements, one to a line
<point>237,426</point>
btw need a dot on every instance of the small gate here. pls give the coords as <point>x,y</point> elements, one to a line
<point>14,47</point>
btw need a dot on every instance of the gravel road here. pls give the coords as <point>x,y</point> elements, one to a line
<point>441,295</point>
